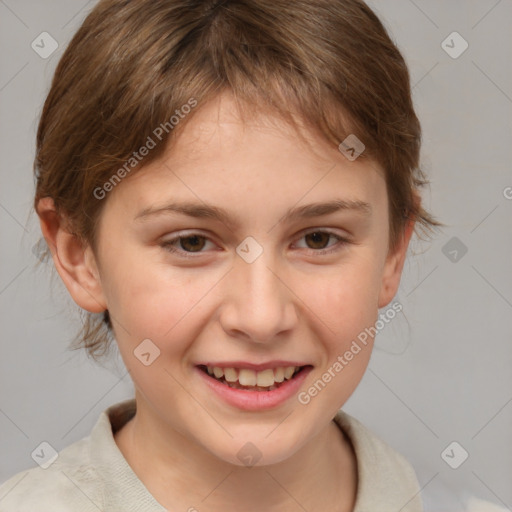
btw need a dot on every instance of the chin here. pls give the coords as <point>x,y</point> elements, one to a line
<point>251,451</point>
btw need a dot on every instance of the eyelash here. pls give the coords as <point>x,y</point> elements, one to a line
<point>168,244</point>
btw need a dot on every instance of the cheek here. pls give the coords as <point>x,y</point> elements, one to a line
<point>156,303</point>
<point>347,299</point>
<point>346,305</point>
<point>156,317</point>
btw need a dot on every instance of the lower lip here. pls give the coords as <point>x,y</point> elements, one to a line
<point>256,400</point>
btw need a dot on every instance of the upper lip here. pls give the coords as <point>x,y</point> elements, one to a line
<point>251,366</point>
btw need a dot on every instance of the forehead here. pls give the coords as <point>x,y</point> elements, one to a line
<point>259,163</point>
<point>220,122</point>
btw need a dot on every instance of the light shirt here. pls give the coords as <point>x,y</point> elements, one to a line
<point>92,474</point>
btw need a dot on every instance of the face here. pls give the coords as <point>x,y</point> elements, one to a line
<point>259,288</point>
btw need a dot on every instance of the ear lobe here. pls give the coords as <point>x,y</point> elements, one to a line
<point>394,266</point>
<point>75,263</point>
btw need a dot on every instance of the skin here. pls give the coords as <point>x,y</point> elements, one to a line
<point>291,303</point>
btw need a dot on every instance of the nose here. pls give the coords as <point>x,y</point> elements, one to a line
<point>258,303</point>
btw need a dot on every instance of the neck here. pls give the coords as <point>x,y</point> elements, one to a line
<point>181,475</point>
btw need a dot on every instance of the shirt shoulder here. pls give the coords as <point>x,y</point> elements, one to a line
<point>88,475</point>
<point>69,483</point>
<point>386,480</point>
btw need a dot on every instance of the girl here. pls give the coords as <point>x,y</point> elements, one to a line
<point>229,189</point>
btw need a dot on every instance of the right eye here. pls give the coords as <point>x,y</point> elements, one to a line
<point>190,243</point>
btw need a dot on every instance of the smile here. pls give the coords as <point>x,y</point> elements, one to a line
<point>250,380</point>
<point>251,390</point>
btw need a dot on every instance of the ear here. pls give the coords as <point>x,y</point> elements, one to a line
<point>394,264</point>
<point>75,263</point>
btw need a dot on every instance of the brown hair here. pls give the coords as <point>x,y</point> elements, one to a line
<point>133,65</point>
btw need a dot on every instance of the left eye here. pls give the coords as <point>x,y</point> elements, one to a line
<point>194,242</point>
<point>319,237</point>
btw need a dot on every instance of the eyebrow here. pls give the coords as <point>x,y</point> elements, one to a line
<point>206,211</point>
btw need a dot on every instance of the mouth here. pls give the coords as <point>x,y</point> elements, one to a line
<point>251,380</point>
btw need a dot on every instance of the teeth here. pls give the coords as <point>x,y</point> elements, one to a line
<point>279,375</point>
<point>288,372</point>
<point>245,377</point>
<point>265,378</point>
<point>230,374</point>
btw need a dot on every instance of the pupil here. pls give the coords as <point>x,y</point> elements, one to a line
<point>315,236</point>
<point>195,238</point>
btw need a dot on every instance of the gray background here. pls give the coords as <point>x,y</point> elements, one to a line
<point>440,372</point>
